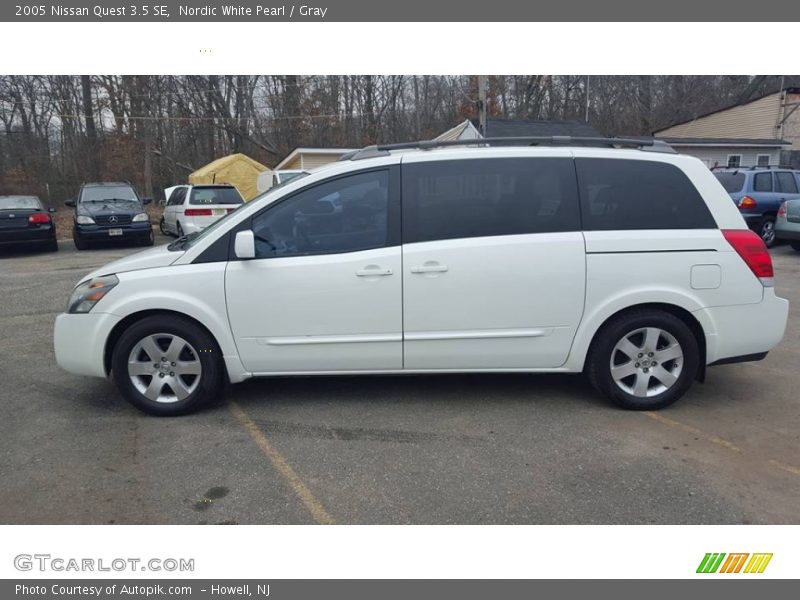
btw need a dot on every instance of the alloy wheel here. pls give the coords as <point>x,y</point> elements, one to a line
<point>646,362</point>
<point>164,368</point>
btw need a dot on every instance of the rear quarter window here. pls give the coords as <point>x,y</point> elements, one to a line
<point>732,182</point>
<point>638,194</point>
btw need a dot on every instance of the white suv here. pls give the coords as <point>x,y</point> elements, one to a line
<point>628,264</point>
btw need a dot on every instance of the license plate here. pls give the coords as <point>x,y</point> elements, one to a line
<point>218,211</point>
<point>115,232</point>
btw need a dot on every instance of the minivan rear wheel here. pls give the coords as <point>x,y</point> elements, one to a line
<point>795,245</point>
<point>644,359</point>
<point>167,366</point>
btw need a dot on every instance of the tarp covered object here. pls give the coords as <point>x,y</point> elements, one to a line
<point>239,170</point>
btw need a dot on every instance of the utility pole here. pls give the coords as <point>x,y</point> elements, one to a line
<point>147,126</point>
<point>482,85</point>
<point>587,99</point>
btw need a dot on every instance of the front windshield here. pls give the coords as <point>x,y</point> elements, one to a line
<point>189,240</point>
<point>19,203</point>
<point>106,193</point>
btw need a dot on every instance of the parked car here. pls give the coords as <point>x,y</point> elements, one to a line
<point>24,221</point>
<point>632,266</point>
<point>270,179</point>
<point>787,224</point>
<point>759,193</point>
<point>192,208</point>
<point>109,211</point>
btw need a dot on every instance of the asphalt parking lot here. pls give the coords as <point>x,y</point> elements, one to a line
<point>446,449</point>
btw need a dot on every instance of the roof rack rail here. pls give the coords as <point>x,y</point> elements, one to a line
<point>754,167</point>
<point>648,144</point>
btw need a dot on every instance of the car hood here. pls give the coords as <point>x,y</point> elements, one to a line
<point>96,209</point>
<point>159,256</point>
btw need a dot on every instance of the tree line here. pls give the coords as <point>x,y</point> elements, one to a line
<point>57,131</point>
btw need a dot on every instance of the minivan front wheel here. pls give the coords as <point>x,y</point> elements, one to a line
<point>167,366</point>
<point>644,360</point>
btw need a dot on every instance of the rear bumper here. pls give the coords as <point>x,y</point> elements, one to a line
<point>753,221</point>
<point>190,227</point>
<point>33,235</point>
<point>786,230</point>
<point>745,329</point>
<point>79,342</point>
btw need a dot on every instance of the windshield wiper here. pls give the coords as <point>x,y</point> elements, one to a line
<point>180,243</point>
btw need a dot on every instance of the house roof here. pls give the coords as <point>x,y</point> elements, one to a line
<point>787,89</point>
<point>518,128</point>
<point>297,151</point>
<point>522,128</point>
<point>456,132</point>
<point>742,142</point>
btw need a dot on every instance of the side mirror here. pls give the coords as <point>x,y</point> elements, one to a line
<point>162,203</point>
<point>51,210</point>
<point>146,200</point>
<point>70,202</point>
<point>244,246</point>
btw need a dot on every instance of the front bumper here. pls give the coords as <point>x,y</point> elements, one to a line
<point>744,329</point>
<point>80,342</point>
<point>101,232</point>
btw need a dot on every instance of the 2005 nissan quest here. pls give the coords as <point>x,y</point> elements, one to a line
<point>617,258</point>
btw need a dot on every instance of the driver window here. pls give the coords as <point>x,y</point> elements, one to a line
<point>345,215</point>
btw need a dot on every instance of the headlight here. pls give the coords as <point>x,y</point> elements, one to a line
<point>83,220</point>
<point>140,217</point>
<point>89,293</point>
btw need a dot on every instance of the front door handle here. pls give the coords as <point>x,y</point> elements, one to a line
<point>373,271</point>
<point>429,267</point>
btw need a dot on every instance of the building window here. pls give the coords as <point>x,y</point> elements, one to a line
<point>762,160</point>
<point>734,160</point>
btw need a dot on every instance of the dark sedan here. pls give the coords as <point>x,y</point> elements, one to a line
<point>24,221</point>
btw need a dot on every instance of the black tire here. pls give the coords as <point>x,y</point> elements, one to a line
<point>147,241</point>
<point>203,349</point>
<point>52,245</point>
<point>179,229</point>
<point>80,243</point>
<point>162,225</point>
<point>602,353</point>
<point>795,245</point>
<point>767,230</point>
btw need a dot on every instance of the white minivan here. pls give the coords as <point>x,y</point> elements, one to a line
<point>616,258</point>
<point>192,208</point>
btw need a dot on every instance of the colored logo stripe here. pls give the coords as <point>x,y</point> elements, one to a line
<point>758,563</point>
<point>712,562</point>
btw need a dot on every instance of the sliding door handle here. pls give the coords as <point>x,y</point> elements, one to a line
<point>373,271</point>
<point>429,267</point>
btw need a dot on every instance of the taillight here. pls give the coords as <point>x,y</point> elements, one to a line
<point>38,219</point>
<point>753,252</point>
<point>782,210</point>
<point>747,203</point>
<point>198,212</point>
